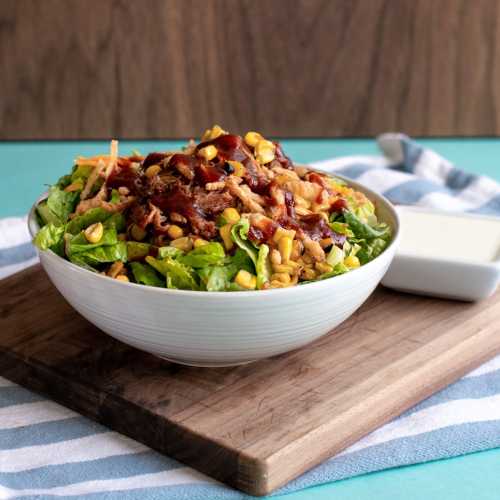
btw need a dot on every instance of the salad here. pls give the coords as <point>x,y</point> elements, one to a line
<point>230,213</point>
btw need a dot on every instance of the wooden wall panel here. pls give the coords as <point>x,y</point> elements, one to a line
<point>169,68</point>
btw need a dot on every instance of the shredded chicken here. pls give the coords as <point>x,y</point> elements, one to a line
<point>250,200</point>
<point>314,249</point>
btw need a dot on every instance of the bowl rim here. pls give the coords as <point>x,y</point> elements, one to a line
<point>375,197</point>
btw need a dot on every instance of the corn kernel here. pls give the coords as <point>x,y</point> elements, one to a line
<point>283,277</point>
<point>74,186</point>
<point>246,280</point>
<point>252,138</point>
<point>199,242</point>
<point>122,277</point>
<point>94,232</point>
<point>323,267</point>
<point>280,233</point>
<point>152,171</point>
<point>208,152</point>
<point>285,248</point>
<point>264,151</point>
<point>137,232</point>
<point>212,133</point>
<point>185,244</point>
<point>231,215</point>
<point>352,262</point>
<point>225,234</point>
<point>239,168</point>
<point>175,232</point>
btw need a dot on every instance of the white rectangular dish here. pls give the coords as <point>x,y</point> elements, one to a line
<point>446,254</point>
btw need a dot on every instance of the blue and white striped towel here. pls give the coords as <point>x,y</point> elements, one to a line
<point>48,451</point>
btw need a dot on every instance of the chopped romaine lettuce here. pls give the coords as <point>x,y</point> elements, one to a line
<point>116,220</point>
<point>81,172</point>
<point>371,250</point>
<point>363,230</point>
<point>79,243</point>
<point>216,278</point>
<point>341,228</point>
<point>102,254</point>
<point>241,260</point>
<point>340,268</point>
<point>61,203</point>
<point>83,221</point>
<point>64,181</point>
<point>137,250</point>
<point>335,256</point>
<point>211,254</point>
<point>263,266</point>
<point>178,275</point>
<point>146,275</point>
<point>46,214</point>
<point>50,237</point>
<point>239,234</point>
<point>169,252</point>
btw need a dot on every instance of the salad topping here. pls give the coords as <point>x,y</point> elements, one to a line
<point>229,213</point>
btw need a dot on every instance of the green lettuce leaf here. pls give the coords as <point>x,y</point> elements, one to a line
<point>241,260</point>
<point>263,266</point>
<point>50,237</point>
<point>61,203</point>
<point>340,268</point>
<point>219,278</point>
<point>45,214</point>
<point>216,278</point>
<point>335,256</point>
<point>169,252</point>
<point>137,250</point>
<point>211,254</point>
<point>63,181</point>
<point>79,243</point>
<point>178,275</point>
<point>146,275</point>
<point>341,228</point>
<point>83,221</point>
<point>116,220</point>
<point>102,254</point>
<point>81,172</point>
<point>371,249</point>
<point>239,234</point>
<point>365,231</point>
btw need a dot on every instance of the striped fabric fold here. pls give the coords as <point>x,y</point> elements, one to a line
<point>48,451</point>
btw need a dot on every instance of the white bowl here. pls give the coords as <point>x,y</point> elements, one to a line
<point>219,328</point>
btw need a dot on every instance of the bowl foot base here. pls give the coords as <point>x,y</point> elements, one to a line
<point>204,364</point>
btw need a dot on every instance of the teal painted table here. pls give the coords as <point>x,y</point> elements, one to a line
<point>27,166</point>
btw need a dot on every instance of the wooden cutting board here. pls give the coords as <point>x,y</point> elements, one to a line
<point>258,426</point>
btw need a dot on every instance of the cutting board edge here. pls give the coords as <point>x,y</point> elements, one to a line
<point>238,470</point>
<point>273,464</point>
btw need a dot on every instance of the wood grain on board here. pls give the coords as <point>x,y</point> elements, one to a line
<point>299,68</point>
<point>258,426</point>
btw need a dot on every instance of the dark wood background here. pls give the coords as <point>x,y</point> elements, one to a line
<point>169,68</point>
